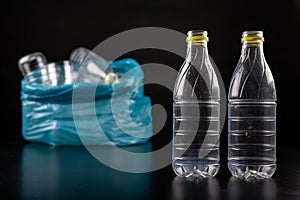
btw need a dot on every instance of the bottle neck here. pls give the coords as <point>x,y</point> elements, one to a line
<point>196,50</point>
<point>252,51</point>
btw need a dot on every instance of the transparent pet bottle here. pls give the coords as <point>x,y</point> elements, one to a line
<point>196,112</point>
<point>52,74</point>
<point>252,113</point>
<point>91,67</point>
<point>29,63</point>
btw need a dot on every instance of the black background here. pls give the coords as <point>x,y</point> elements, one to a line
<point>57,27</point>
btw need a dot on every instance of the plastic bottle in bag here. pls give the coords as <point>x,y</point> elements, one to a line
<point>52,74</point>
<point>252,113</point>
<point>29,63</point>
<point>196,110</point>
<point>91,67</point>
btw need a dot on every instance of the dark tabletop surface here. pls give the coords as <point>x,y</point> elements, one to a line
<point>38,171</point>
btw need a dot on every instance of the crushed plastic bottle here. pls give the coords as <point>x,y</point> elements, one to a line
<point>29,63</point>
<point>52,74</point>
<point>91,67</point>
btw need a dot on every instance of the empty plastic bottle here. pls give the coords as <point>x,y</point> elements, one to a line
<point>31,62</point>
<point>252,113</point>
<point>196,117</point>
<point>60,73</point>
<point>52,74</point>
<point>91,67</point>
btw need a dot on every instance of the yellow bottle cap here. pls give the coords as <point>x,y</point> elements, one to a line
<point>197,38</point>
<point>111,78</point>
<point>252,36</point>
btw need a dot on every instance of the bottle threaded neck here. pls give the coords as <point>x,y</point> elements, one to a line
<point>252,37</point>
<point>197,36</point>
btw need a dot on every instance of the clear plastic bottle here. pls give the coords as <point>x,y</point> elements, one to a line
<point>91,67</point>
<point>196,117</point>
<point>52,74</point>
<point>252,113</point>
<point>30,62</point>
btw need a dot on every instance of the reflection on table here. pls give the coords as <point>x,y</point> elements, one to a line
<point>208,189</point>
<point>52,172</point>
<point>265,189</point>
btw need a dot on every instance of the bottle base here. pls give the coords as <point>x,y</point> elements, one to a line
<point>191,170</point>
<point>251,171</point>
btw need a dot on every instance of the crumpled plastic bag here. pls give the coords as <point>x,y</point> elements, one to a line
<point>89,113</point>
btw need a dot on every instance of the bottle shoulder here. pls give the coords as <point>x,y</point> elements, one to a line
<point>196,82</point>
<point>252,80</point>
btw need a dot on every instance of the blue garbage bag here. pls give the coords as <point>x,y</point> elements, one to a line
<point>89,113</point>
